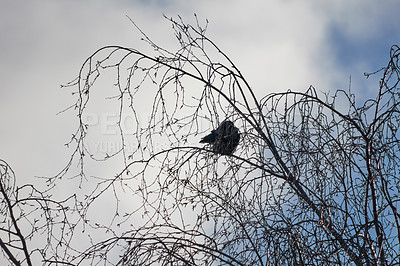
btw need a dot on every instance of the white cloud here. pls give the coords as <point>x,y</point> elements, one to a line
<point>276,44</point>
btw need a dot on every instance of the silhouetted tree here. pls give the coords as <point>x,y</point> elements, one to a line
<point>312,181</point>
<point>33,225</point>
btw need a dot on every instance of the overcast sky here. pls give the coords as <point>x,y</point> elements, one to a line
<point>277,44</point>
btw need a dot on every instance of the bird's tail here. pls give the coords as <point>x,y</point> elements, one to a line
<point>209,138</point>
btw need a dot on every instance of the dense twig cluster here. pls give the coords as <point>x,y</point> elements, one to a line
<point>313,180</point>
<point>33,224</point>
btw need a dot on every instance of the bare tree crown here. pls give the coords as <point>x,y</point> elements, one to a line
<point>290,178</point>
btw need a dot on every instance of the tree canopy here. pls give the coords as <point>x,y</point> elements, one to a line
<point>313,180</point>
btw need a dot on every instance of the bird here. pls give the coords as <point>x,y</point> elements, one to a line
<point>224,139</point>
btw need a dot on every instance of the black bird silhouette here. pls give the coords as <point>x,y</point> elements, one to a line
<point>224,139</point>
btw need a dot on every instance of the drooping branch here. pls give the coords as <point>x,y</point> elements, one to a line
<point>303,159</point>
